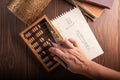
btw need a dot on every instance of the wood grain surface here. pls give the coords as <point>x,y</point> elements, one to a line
<point>17,62</point>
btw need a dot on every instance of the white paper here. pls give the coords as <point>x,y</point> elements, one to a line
<point>72,24</point>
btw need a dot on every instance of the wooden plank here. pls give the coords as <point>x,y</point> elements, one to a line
<point>12,49</point>
<point>106,32</point>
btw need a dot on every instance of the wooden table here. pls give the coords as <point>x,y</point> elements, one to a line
<point>17,63</point>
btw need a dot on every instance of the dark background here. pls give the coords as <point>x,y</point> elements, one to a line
<point>17,62</point>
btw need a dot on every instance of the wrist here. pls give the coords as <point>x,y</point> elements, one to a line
<point>94,70</point>
<point>88,68</point>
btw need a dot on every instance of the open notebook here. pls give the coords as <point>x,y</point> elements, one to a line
<point>72,24</point>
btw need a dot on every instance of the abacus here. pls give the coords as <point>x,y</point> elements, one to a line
<point>38,36</point>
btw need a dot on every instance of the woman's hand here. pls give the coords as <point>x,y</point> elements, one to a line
<point>70,52</point>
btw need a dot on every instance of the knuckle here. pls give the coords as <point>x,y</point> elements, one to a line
<point>64,41</point>
<point>65,57</point>
<point>70,51</point>
<point>55,50</point>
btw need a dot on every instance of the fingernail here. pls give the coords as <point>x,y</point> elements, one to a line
<point>52,44</point>
<point>55,58</point>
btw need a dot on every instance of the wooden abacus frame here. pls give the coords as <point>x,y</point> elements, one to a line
<point>30,45</point>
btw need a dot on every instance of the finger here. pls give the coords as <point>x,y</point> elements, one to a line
<point>66,43</point>
<point>73,42</point>
<point>57,46</point>
<point>60,61</point>
<point>57,52</point>
<point>61,47</point>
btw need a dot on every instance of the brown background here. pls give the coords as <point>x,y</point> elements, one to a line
<point>16,61</point>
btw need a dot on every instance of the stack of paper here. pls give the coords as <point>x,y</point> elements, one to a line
<point>92,8</point>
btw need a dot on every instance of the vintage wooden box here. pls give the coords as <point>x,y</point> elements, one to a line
<point>36,36</point>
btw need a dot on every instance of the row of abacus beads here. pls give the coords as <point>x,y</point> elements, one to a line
<point>41,40</point>
<point>39,49</point>
<point>34,29</point>
<point>41,35</point>
<point>51,63</point>
<point>36,44</point>
<point>36,35</point>
<point>48,59</point>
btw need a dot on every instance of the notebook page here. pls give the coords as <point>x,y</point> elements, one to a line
<point>72,24</point>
